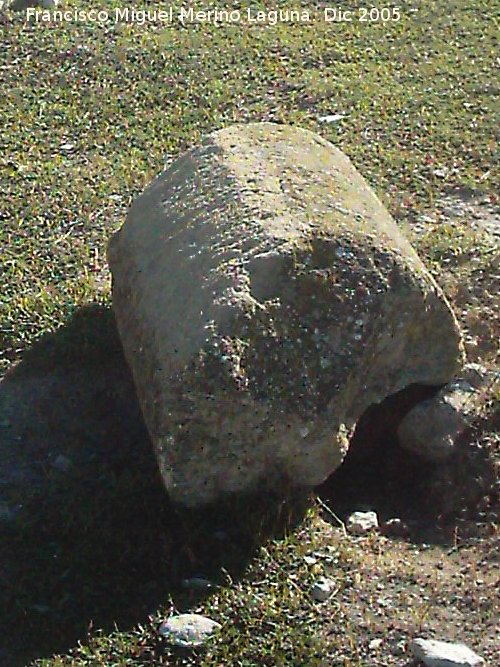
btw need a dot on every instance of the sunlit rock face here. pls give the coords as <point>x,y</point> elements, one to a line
<point>265,298</point>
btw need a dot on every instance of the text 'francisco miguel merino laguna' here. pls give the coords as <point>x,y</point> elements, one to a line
<point>182,15</point>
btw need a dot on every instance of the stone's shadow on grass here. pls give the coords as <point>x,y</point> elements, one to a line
<point>94,541</point>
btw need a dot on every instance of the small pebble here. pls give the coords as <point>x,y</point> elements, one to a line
<point>323,589</point>
<point>62,463</point>
<point>198,583</point>
<point>310,560</point>
<point>435,653</point>
<point>7,512</point>
<point>360,523</point>
<point>41,608</point>
<point>331,118</point>
<point>189,630</point>
<point>395,528</point>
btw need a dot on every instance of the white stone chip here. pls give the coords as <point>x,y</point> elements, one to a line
<point>332,118</point>
<point>434,653</point>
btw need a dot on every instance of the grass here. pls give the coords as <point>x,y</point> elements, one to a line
<point>90,114</point>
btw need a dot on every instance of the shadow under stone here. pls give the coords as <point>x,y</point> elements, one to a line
<point>88,536</point>
<point>377,474</point>
<point>432,497</point>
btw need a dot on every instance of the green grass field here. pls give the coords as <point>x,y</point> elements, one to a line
<point>89,115</point>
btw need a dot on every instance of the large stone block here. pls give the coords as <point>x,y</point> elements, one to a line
<point>265,298</point>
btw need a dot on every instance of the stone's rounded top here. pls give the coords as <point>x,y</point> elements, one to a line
<point>237,138</point>
<point>304,185</point>
<point>293,184</point>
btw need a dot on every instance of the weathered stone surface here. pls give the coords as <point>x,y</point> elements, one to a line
<point>265,298</point>
<point>434,653</point>
<point>432,428</point>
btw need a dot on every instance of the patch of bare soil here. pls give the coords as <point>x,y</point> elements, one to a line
<point>393,590</point>
<point>480,212</point>
<point>439,579</point>
<point>463,228</point>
